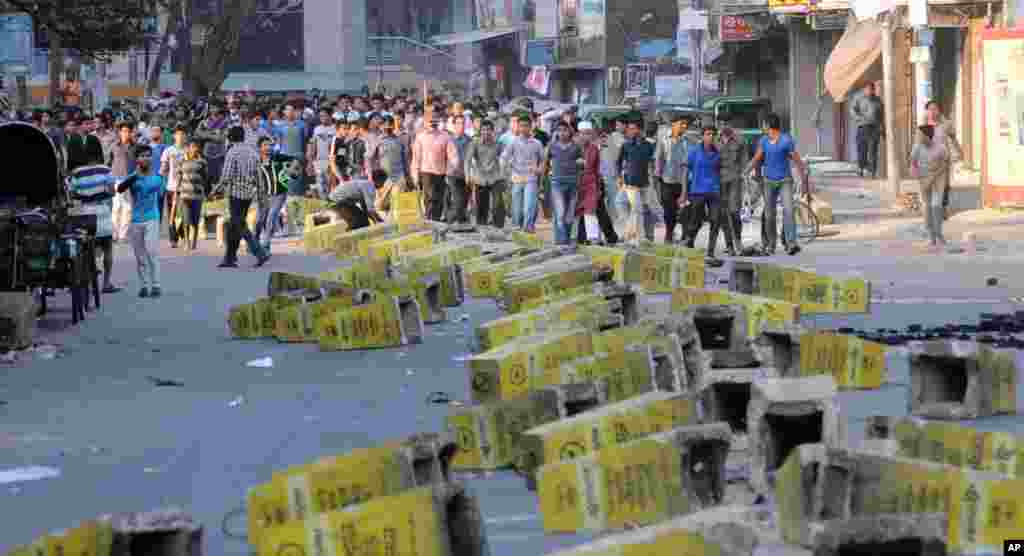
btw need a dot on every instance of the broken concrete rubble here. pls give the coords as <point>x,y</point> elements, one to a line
<point>785,413</point>
<point>607,425</point>
<point>640,482</point>
<point>963,380</point>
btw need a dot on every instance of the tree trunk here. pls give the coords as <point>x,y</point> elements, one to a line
<point>56,70</point>
<point>173,23</point>
<point>208,69</point>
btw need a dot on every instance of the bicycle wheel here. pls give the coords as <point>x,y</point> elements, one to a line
<point>806,222</point>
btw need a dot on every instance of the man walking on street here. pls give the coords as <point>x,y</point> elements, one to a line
<point>121,161</point>
<point>320,153</point>
<point>734,160</point>
<point>633,168</point>
<point>292,136</point>
<point>483,170</point>
<point>81,149</point>
<point>431,153</point>
<point>456,174</point>
<point>170,161</point>
<point>390,156</point>
<point>593,214</point>
<point>146,189</point>
<point>273,191</point>
<point>240,183</point>
<point>564,159</point>
<point>522,160</point>
<point>670,169</point>
<point>867,116</point>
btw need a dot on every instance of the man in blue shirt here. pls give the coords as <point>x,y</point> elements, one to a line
<point>144,232</point>
<point>704,194</point>
<point>775,152</point>
<point>293,135</point>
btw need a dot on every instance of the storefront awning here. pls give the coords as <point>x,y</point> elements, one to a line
<point>468,37</point>
<point>856,52</point>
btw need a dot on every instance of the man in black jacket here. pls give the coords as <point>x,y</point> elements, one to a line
<point>275,172</point>
<point>81,149</point>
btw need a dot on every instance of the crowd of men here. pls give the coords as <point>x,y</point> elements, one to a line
<point>471,161</point>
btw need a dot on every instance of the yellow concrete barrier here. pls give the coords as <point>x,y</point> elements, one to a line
<point>346,244</point>
<point>639,482</point>
<point>589,311</point>
<point>393,248</point>
<point>609,425</point>
<point>760,310</point>
<point>512,370</point>
<point>485,280</point>
<point>814,293</point>
<point>258,319</point>
<point>387,322</point>
<point>555,277</point>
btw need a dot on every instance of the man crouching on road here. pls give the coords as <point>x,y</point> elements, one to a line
<point>356,200</point>
<point>144,232</point>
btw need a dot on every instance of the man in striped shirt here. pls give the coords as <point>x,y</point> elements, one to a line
<point>239,181</point>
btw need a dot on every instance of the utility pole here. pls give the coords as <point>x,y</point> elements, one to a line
<point>892,163</point>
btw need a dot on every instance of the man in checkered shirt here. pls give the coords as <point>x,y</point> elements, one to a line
<point>239,181</point>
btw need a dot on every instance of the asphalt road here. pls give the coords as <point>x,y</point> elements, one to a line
<point>122,444</point>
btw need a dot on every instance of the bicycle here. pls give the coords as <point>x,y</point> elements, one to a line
<point>807,226</point>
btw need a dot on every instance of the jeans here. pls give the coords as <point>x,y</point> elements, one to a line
<point>459,199</point>
<point>524,205</point>
<point>670,193</point>
<point>322,185</point>
<point>171,212</point>
<point>708,207</point>
<point>239,230</point>
<point>611,192</point>
<point>145,239</point>
<point>563,208</point>
<point>868,137</point>
<point>932,186</point>
<point>641,217</point>
<point>295,204</point>
<point>486,196</point>
<point>772,190</point>
<point>434,190</point>
<point>122,214</point>
<point>268,219</point>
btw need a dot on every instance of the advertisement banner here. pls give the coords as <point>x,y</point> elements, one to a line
<point>1003,109</point>
<point>739,28</point>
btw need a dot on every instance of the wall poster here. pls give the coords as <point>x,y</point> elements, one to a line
<point>1003,112</point>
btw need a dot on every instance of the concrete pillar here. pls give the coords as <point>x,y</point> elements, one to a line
<point>892,162</point>
<point>923,76</point>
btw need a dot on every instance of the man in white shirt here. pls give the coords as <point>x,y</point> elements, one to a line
<point>169,161</point>
<point>320,153</point>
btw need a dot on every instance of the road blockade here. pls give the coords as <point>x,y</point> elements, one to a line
<point>514,369</point>
<point>441,520</point>
<point>852,362</point>
<point>346,244</point>
<point>640,482</point>
<point>819,486</point>
<point>485,280</point>
<point>951,444</point>
<point>654,274</point>
<point>625,297</point>
<point>335,482</point>
<point>589,311</point>
<point>785,413</point>
<point>681,364</point>
<point>609,425</point>
<point>963,380</point>
<point>760,310</point>
<point>389,321</point>
<point>392,249</point>
<point>550,278</point>
<point>814,293</point>
<point>258,319</point>
<point>301,323</point>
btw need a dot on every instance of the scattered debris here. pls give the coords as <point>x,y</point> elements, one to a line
<point>165,383</point>
<point>30,473</point>
<point>238,401</point>
<point>464,317</point>
<point>992,281</point>
<point>152,470</point>
<point>262,363</point>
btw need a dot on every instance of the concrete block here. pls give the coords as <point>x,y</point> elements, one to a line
<point>393,248</point>
<point>442,519</point>
<point>654,274</point>
<point>607,425</point>
<point>440,256</point>
<point>678,360</point>
<point>814,293</point>
<point>380,277</point>
<point>17,319</point>
<point>512,370</point>
<point>785,413</point>
<point>258,319</point>
<point>158,533</point>
<point>303,323</point>
<point>389,321</point>
<point>723,334</point>
<point>823,211</point>
<point>722,531</point>
<point>640,482</point>
<point>489,435</point>
<point>546,281</point>
<point>963,380</point>
<point>485,280</point>
<point>589,311</point>
<point>852,362</point>
<point>828,497</point>
<point>335,482</point>
<point>760,311</point>
<point>360,272</point>
<point>346,243</point>
<point>951,444</point>
<point>624,295</point>
<point>671,251</point>
<point>320,237</point>
<point>527,240</point>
